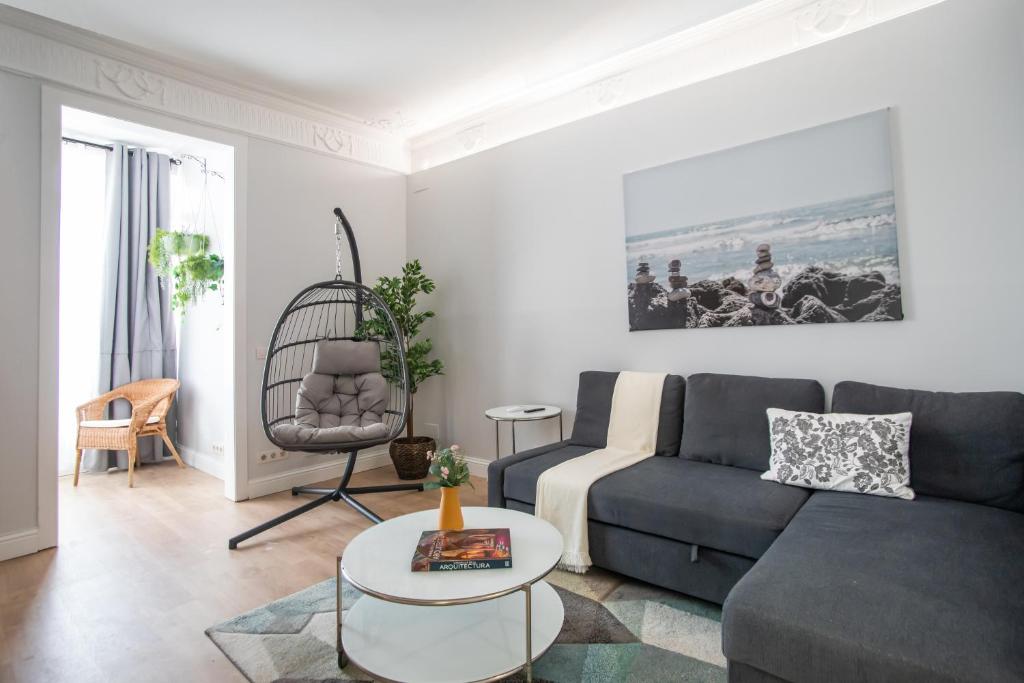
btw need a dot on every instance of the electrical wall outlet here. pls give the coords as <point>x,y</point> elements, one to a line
<point>218,448</point>
<point>433,431</point>
<point>272,456</point>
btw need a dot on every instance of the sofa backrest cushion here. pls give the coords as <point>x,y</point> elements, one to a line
<point>594,408</point>
<point>964,446</point>
<point>725,420</point>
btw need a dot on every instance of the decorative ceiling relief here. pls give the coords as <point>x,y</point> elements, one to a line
<point>751,35</point>
<point>391,125</point>
<point>333,140</point>
<point>91,65</point>
<point>757,32</point>
<point>471,137</point>
<point>133,83</point>
<point>604,94</point>
<point>825,18</point>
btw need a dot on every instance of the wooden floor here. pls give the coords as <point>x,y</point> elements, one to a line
<point>140,573</point>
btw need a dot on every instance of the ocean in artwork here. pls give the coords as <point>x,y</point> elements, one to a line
<point>850,236</point>
<point>796,229</point>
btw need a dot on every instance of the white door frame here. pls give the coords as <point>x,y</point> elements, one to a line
<point>236,476</point>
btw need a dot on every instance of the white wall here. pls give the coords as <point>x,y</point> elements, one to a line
<point>526,240</point>
<point>19,302</point>
<point>204,418</point>
<point>290,237</point>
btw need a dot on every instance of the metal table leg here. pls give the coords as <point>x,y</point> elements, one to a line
<point>560,437</point>
<point>342,659</point>
<point>497,440</point>
<point>529,633</point>
<point>513,437</point>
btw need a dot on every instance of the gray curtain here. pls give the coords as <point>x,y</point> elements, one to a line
<point>138,339</point>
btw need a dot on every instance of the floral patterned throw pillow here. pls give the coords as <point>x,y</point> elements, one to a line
<point>841,452</point>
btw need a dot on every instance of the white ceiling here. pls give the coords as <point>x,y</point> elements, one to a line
<point>408,65</point>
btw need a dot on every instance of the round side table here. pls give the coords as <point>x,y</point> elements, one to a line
<point>405,625</point>
<point>518,413</point>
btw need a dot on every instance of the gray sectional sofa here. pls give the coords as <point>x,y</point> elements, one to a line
<point>816,585</point>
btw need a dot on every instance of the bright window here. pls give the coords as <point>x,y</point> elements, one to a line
<point>83,238</point>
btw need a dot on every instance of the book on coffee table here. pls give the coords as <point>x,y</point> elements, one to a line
<point>445,551</point>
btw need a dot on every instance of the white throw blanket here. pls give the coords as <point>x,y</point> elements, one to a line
<point>632,437</point>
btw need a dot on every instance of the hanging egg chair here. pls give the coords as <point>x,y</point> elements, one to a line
<point>335,380</point>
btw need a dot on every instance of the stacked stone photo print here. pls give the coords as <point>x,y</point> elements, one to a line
<point>812,296</point>
<point>797,229</point>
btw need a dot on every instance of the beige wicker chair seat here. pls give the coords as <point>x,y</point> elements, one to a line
<point>110,424</point>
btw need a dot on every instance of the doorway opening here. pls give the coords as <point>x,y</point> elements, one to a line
<point>146,232</point>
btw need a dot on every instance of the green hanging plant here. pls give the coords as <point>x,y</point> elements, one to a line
<point>194,276</point>
<point>160,253</point>
<point>184,257</point>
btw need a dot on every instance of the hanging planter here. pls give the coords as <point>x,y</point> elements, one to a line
<point>168,246</point>
<point>183,257</point>
<point>194,276</point>
<point>186,244</point>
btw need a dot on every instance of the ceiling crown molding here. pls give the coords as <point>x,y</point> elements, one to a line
<point>757,33</point>
<point>61,54</point>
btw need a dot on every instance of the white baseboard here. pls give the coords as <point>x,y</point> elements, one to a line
<point>478,466</point>
<point>204,462</point>
<point>304,476</point>
<point>19,543</point>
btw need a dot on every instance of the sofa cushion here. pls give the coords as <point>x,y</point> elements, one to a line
<point>594,407</point>
<point>520,479</point>
<point>964,446</point>
<point>860,588</point>
<point>723,508</point>
<point>497,468</point>
<point>724,418</point>
<point>841,452</point>
<point>661,561</point>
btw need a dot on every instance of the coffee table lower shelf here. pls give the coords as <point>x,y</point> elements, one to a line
<point>480,641</point>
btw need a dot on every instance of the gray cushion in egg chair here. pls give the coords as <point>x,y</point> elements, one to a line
<point>342,400</point>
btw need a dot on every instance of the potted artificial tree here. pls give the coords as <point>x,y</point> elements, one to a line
<point>409,453</point>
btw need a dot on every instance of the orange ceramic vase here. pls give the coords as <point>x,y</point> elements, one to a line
<point>450,514</point>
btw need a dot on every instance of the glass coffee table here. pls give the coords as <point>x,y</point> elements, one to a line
<point>441,627</point>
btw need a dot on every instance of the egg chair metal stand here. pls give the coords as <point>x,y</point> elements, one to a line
<point>319,332</point>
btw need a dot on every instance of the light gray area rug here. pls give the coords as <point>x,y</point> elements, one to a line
<point>614,630</point>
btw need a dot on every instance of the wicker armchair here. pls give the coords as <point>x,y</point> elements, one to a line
<point>150,399</point>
